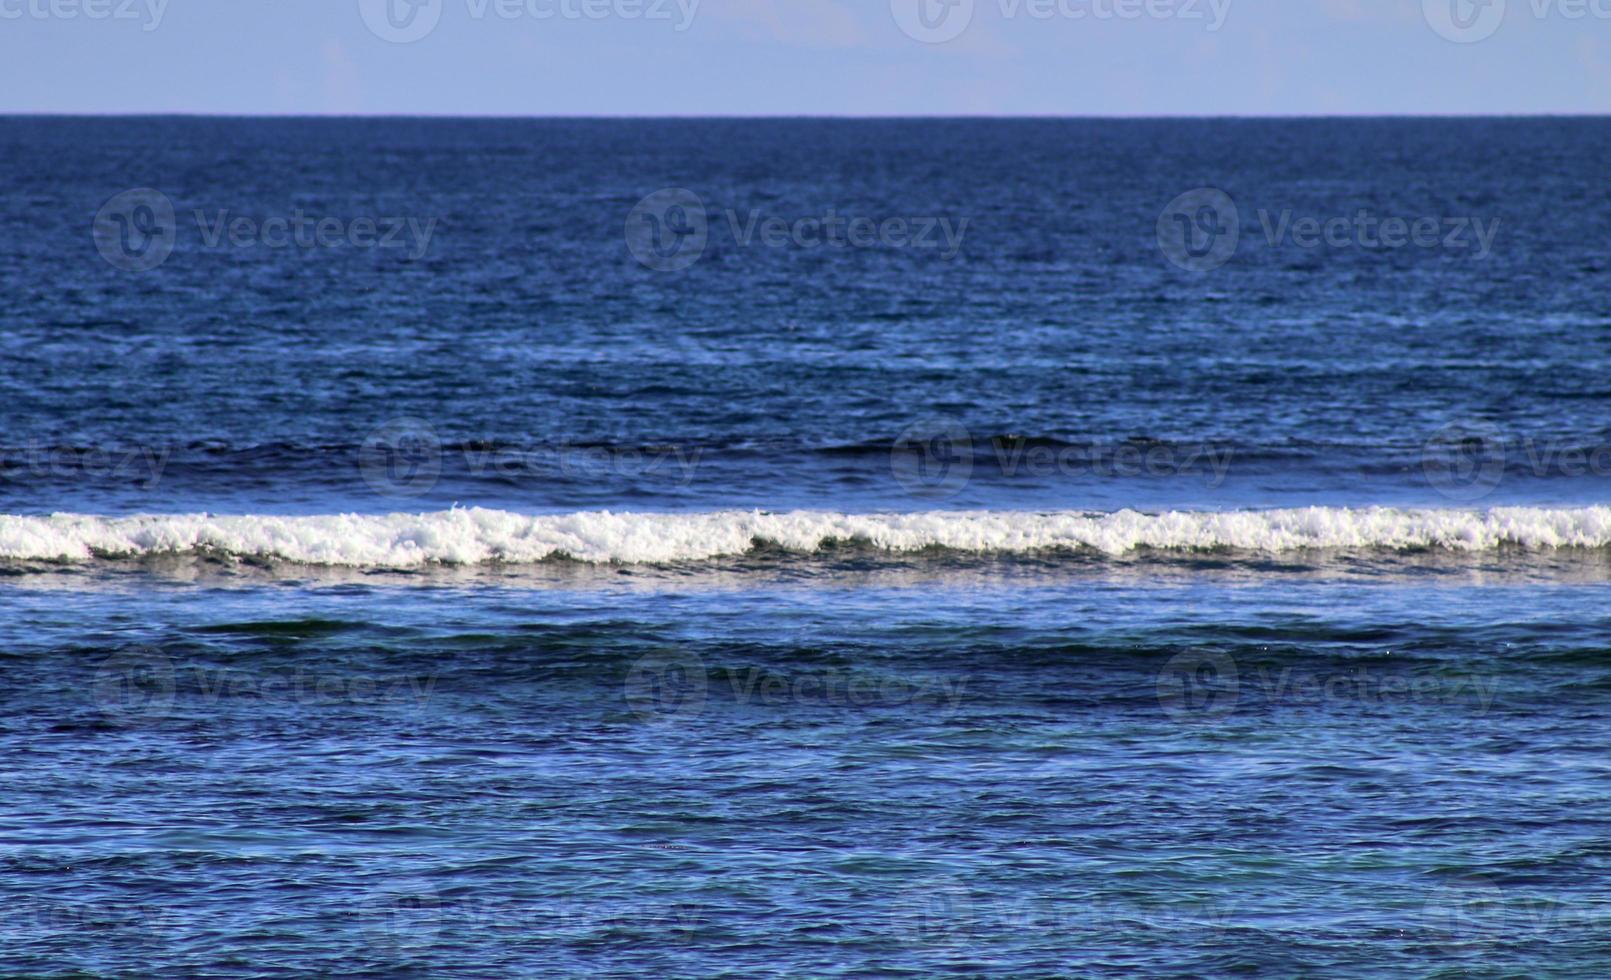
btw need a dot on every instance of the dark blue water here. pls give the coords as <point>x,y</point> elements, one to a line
<point>1035,595</point>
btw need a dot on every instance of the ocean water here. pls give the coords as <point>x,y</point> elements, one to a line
<point>798,548</point>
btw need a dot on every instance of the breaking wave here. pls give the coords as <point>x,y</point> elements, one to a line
<point>477,536</point>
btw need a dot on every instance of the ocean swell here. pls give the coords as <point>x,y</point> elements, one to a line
<point>477,536</point>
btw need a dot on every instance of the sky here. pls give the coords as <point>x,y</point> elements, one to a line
<point>806,57</point>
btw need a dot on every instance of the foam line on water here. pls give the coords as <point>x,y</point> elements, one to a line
<point>478,536</point>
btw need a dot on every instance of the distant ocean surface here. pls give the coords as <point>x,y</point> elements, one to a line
<point>805,548</point>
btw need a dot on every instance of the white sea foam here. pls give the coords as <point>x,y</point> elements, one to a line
<point>477,536</point>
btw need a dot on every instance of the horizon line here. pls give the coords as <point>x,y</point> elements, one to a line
<point>44,114</point>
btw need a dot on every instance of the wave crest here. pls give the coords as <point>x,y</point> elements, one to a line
<point>477,536</point>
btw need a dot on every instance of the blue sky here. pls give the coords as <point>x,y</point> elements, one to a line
<point>818,57</point>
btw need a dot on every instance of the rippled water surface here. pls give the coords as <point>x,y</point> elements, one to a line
<point>1036,609</point>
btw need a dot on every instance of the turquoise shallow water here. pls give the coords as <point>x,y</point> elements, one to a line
<point>1040,685</point>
